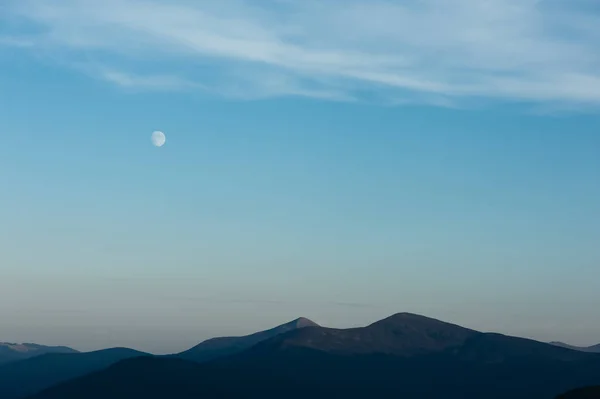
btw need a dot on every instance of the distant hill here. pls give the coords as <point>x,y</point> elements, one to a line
<point>12,351</point>
<point>411,335</point>
<point>403,334</point>
<point>223,346</point>
<point>405,355</point>
<point>28,376</point>
<point>582,393</point>
<point>593,348</point>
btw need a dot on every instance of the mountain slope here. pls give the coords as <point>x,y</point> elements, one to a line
<point>223,346</point>
<point>12,351</point>
<point>410,335</point>
<point>321,375</point>
<point>402,334</point>
<point>405,355</point>
<point>494,348</point>
<point>173,378</point>
<point>28,376</point>
<point>593,348</point>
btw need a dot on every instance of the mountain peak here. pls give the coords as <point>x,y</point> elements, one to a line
<point>302,322</point>
<point>404,316</point>
<point>407,320</point>
<point>404,334</point>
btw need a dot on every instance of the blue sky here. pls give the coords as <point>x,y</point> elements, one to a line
<point>340,161</point>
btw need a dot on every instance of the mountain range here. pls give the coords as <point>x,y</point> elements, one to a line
<point>223,346</point>
<point>35,374</point>
<point>12,351</point>
<point>25,377</point>
<point>593,348</point>
<point>405,355</point>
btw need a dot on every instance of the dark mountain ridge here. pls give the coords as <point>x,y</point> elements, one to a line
<point>25,377</point>
<point>14,351</point>
<point>405,355</point>
<point>319,375</point>
<point>21,378</point>
<point>223,346</point>
<point>593,348</point>
<point>409,335</point>
<point>402,334</point>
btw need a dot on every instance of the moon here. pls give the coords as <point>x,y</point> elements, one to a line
<point>158,138</point>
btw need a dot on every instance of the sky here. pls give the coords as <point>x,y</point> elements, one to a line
<point>337,160</point>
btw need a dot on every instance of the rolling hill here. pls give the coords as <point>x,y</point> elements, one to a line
<point>12,351</point>
<point>28,376</point>
<point>223,346</point>
<point>593,348</point>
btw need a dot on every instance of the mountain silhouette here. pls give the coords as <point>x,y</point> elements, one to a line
<point>407,334</point>
<point>593,348</point>
<point>28,376</point>
<point>403,334</point>
<point>12,351</point>
<point>223,346</point>
<point>405,355</point>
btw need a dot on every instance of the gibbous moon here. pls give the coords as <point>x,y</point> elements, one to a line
<point>158,138</point>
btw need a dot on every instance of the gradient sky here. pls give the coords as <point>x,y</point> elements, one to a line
<point>338,160</point>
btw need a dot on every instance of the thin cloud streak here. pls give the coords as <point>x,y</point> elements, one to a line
<point>213,299</point>
<point>153,82</point>
<point>401,51</point>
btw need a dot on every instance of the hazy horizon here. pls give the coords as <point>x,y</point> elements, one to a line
<point>177,341</point>
<point>447,167</point>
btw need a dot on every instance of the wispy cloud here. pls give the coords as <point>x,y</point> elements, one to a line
<point>275,302</point>
<point>435,51</point>
<point>152,82</point>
